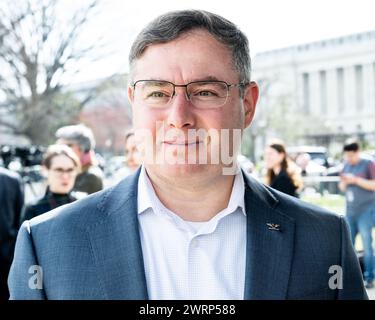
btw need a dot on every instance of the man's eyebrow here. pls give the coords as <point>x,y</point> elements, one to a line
<point>207,78</point>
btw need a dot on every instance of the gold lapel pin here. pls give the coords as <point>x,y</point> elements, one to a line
<point>273,226</point>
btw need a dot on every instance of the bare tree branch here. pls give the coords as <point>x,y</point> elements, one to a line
<point>36,52</point>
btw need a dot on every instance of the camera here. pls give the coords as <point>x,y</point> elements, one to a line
<point>26,160</point>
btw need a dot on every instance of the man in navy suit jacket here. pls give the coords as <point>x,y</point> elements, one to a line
<point>188,224</point>
<point>11,202</point>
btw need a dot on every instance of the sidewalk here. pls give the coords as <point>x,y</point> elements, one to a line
<point>371,293</point>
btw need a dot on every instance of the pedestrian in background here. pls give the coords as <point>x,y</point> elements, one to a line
<point>358,182</point>
<point>282,173</point>
<point>11,202</point>
<point>133,156</point>
<point>61,166</point>
<point>81,139</point>
<point>132,161</point>
<point>303,160</point>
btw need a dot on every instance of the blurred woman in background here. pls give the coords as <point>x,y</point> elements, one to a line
<point>60,166</point>
<point>282,173</point>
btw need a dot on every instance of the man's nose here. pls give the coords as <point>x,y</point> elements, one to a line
<point>180,114</point>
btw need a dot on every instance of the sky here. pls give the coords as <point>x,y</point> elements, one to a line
<point>269,24</point>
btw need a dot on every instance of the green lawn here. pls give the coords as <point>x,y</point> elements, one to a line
<point>336,204</point>
<point>332,202</point>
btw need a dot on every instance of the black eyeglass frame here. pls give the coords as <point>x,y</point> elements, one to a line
<point>228,85</point>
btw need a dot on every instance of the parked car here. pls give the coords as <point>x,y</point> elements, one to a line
<point>317,154</point>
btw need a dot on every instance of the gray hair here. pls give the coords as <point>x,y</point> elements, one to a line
<point>78,134</point>
<point>170,26</point>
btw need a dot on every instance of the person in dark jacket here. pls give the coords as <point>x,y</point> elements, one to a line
<point>61,166</point>
<point>282,173</point>
<point>81,139</point>
<point>11,202</point>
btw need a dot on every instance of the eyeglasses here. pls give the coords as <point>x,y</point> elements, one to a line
<point>61,171</point>
<point>201,94</point>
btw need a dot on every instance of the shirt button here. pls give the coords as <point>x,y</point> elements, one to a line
<point>195,243</point>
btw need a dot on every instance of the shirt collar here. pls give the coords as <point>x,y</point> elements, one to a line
<point>145,191</point>
<point>147,197</point>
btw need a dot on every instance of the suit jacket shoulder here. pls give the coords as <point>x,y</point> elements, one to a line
<point>300,256</point>
<point>77,244</point>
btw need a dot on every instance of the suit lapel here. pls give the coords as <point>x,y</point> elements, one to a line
<point>116,244</point>
<point>269,251</point>
<point>117,250</point>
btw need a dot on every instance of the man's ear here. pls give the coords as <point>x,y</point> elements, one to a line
<point>130,94</point>
<point>250,99</point>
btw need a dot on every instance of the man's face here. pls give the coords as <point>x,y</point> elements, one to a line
<point>352,157</point>
<point>194,56</point>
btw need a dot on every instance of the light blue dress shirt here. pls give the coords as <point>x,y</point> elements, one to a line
<point>192,260</point>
